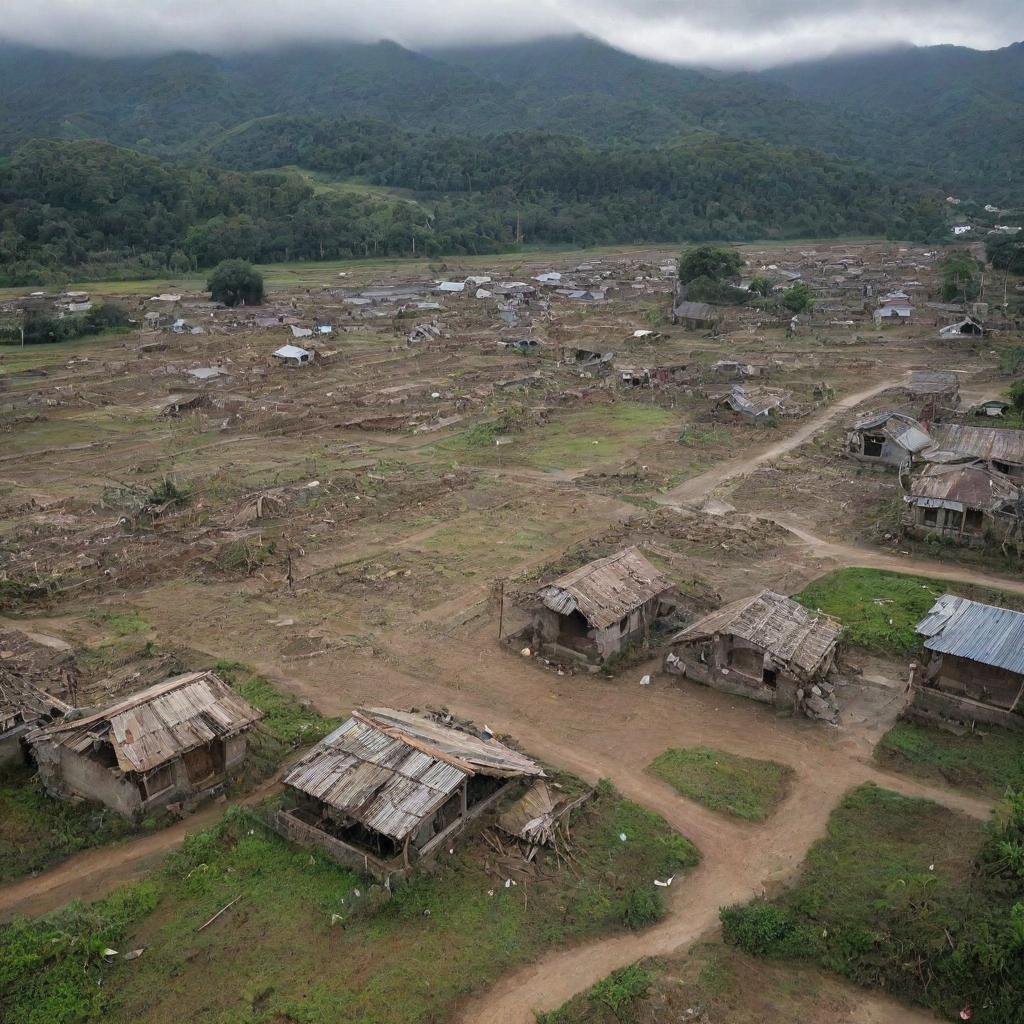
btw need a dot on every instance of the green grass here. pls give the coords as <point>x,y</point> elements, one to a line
<point>905,895</point>
<point>287,725</point>
<point>591,436</point>
<point>985,762</point>
<point>710,982</point>
<point>311,943</point>
<point>879,609</point>
<point>126,623</point>
<point>739,786</point>
<point>37,831</point>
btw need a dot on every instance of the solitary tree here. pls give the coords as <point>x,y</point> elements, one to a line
<point>236,282</point>
<point>709,261</point>
<point>798,298</point>
<point>761,286</point>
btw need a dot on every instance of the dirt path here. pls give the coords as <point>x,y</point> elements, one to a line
<point>701,486</point>
<point>853,555</point>
<point>93,874</point>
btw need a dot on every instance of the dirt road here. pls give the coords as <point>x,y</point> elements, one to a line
<point>699,487</point>
<point>853,555</point>
<point>93,874</point>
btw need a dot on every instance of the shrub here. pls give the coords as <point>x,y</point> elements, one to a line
<point>622,988</point>
<point>764,929</point>
<point>642,906</point>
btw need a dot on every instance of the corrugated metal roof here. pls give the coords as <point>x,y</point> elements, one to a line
<point>391,770</point>
<point>22,701</point>
<point>696,311</point>
<point>987,443</point>
<point>979,632</point>
<point>901,429</point>
<point>786,630</point>
<point>160,723</point>
<point>932,382</point>
<point>605,590</point>
<point>974,485</point>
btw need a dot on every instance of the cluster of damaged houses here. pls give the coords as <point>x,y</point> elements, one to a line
<point>389,789</point>
<point>961,481</point>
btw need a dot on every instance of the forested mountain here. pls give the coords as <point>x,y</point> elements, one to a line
<point>561,141</point>
<point>90,208</point>
<point>939,116</point>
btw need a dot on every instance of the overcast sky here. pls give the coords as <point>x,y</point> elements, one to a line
<point>720,33</point>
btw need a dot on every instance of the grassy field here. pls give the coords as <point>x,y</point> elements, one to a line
<point>879,609</point>
<point>37,831</point>
<point>986,762</point>
<point>712,983</point>
<point>310,942</point>
<point>739,786</point>
<point>598,435</point>
<point>905,895</point>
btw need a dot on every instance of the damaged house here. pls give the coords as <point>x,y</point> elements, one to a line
<point>1001,450</point>
<point>593,612</point>
<point>966,328</point>
<point>388,789</point>
<point>173,741</point>
<point>935,390</point>
<point>23,707</point>
<point>766,647</point>
<point>973,670</point>
<point>696,316</point>
<point>967,504</point>
<point>889,439</point>
<point>755,404</point>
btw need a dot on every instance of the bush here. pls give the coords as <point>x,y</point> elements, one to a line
<point>622,988</point>
<point>236,283</point>
<point>764,929</point>
<point>642,906</point>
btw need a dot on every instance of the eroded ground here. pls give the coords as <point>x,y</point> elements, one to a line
<point>346,529</point>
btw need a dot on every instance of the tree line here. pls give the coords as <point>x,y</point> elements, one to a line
<point>92,209</point>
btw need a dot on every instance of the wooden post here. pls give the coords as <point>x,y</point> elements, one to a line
<point>405,851</point>
<point>501,607</point>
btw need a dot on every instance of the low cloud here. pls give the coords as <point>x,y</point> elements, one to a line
<point>718,33</point>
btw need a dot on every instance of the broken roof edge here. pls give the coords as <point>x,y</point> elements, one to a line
<point>390,722</point>
<point>134,701</point>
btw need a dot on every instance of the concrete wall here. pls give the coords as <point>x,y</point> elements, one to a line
<point>66,774</point>
<point>734,666</point>
<point>935,707</point>
<point>11,751</point>
<point>549,626</point>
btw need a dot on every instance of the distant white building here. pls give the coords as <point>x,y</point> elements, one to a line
<point>961,229</point>
<point>292,355</point>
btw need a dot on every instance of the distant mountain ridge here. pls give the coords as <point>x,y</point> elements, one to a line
<point>943,117</point>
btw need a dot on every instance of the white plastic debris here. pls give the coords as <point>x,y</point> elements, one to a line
<point>526,652</point>
<point>490,892</point>
<point>668,881</point>
<point>435,394</point>
<point>645,681</point>
<point>622,836</point>
<point>508,883</point>
<point>134,954</point>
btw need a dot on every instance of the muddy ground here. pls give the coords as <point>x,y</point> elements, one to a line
<point>345,529</point>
